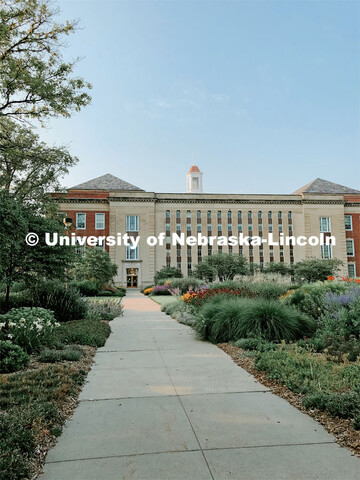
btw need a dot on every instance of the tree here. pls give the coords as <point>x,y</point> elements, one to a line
<point>205,271</point>
<point>35,81</point>
<point>19,261</point>
<point>315,269</point>
<point>29,168</point>
<point>167,272</point>
<point>226,265</point>
<point>95,266</point>
<point>278,267</point>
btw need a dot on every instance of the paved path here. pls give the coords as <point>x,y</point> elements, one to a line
<point>159,405</point>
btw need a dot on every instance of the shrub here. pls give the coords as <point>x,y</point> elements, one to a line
<point>147,291</point>
<point>255,344</point>
<point>16,300</point>
<point>343,405</point>
<point>91,332</point>
<point>303,372</point>
<point>172,307</point>
<point>184,284</point>
<point>66,303</point>
<point>106,310</point>
<point>71,353</point>
<point>12,357</point>
<point>167,272</point>
<point>28,327</point>
<point>315,269</point>
<point>87,288</point>
<point>223,320</point>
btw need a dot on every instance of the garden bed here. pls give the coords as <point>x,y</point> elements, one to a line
<point>342,429</point>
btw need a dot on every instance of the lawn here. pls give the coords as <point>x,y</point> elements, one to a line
<point>163,299</point>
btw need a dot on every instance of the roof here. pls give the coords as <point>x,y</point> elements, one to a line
<point>320,185</point>
<point>194,168</point>
<point>106,182</point>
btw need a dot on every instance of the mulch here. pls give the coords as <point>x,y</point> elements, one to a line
<point>341,429</point>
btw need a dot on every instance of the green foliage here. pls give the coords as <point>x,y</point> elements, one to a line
<point>224,265</point>
<point>30,169</point>
<point>12,357</point>
<point>315,269</point>
<point>35,81</point>
<point>343,405</point>
<point>172,307</point>
<point>303,372</point>
<point>204,271</point>
<point>32,401</point>
<point>28,327</point>
<point>166,272</point>
<point>91,332</point>
<point>279,268</point>
<point>19,261</point>
<point>107,310</point>
<point>223,319</point>
<point>255,344</point>
<point>15,300</point>
<point>66,303</point>
<point>95,266</point>
<point>184,284</point>
<point>310,298</point>
<point>71,353</point>
<point>87,288</point>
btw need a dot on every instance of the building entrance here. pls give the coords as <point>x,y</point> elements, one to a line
<point>132,277</point>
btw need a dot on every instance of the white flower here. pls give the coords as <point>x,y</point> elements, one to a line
<point>10,335</point>
<point>22,320</point>
<point>57,324</point>
<point>2,324</point>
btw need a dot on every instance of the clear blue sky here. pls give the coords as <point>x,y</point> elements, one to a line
<point>266,92</point>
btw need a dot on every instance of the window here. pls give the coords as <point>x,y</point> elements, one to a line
<point>290,228</point>
<point>279,215</point>
<point>250,228</point>
<point>199,227</point>
<point>99,221</point>
<point>209,228</point>
<point>229,215</point>
<point>350,247</point>
<point>177,213</point>
<point>198,214</point>
<point>351,270</point>
<point>188,227</point>
<point>269,215</point>
<point>249,215</point>
<point>326,252</point>
<point>289,215</point>
<point>239,217</point>
<point>209,216</point>
<point>348,222</point>
<point>280,228</point>
<point>259,215</point>
<point>188,214</point>
<point>132,223</point>
<point>81,221</point>
<point>270,228</point>
<point>325,224</point>
<point>229,227</point>
<point>132,253</point>
<point>219,227</point>
<point>167,226</point>
<point>100,245</point>
<point>240,227</point>
<point>260,228</point>
<point>178,227</point>
<point>219,215</point>
<point>167,213</point>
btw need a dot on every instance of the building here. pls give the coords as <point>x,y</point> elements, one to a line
<point>108,206</point>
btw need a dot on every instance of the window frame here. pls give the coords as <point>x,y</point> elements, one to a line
<point>103,216</point>
<point>128,223</point>
<point>352,254</point>
<point>77,216</point>
<point>351,223</point>
<point>321,226</point>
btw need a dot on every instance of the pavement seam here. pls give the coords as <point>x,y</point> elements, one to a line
<point>213,449</point>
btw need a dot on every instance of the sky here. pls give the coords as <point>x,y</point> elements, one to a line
<point>266,93</point>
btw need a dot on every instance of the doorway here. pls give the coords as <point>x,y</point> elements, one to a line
<point>132,277</point>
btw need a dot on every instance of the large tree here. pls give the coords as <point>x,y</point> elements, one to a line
<point>20,261</point>
<point>29,169</point>
<point>223,265</point>
<point>35,81</point>
<point>95,266</point>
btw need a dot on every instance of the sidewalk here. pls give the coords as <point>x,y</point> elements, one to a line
<point>160,405</point>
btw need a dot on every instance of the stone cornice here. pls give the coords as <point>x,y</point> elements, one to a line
<point>82,200</point>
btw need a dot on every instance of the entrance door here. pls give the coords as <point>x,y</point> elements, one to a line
<point>131,277</point>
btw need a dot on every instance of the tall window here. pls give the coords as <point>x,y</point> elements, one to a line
<point>351,270</point>
<point>198,214</point>
<point>99,221</point>
<point>177,213</point>
<point>132,253</point>
<point>350,247</point>
<point>132,223</point>
<point>249,215</point>
<point>269,215</point>
<point>325,224</point>
<point>279,215</point>
<point>259,215</point>
<point>229,215</point>
<point>209,216</point>
<point>188,214</point>
<point>348,222</point>
<point>326,252</point>
<point>167,213</point>
<point>81,221</point>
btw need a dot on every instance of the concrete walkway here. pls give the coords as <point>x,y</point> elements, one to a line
<point>159,404</point>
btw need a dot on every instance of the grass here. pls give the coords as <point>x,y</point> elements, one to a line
<point>163,299</point>
<point>71,353</point>
<point>116,300</point>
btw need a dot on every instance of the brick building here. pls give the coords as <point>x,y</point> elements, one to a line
<point>107,206</point>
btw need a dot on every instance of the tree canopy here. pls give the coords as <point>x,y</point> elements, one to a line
<point>315,269</point>
<point>223,265</point>
<point>96,266</point>
<point>35,81</point>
